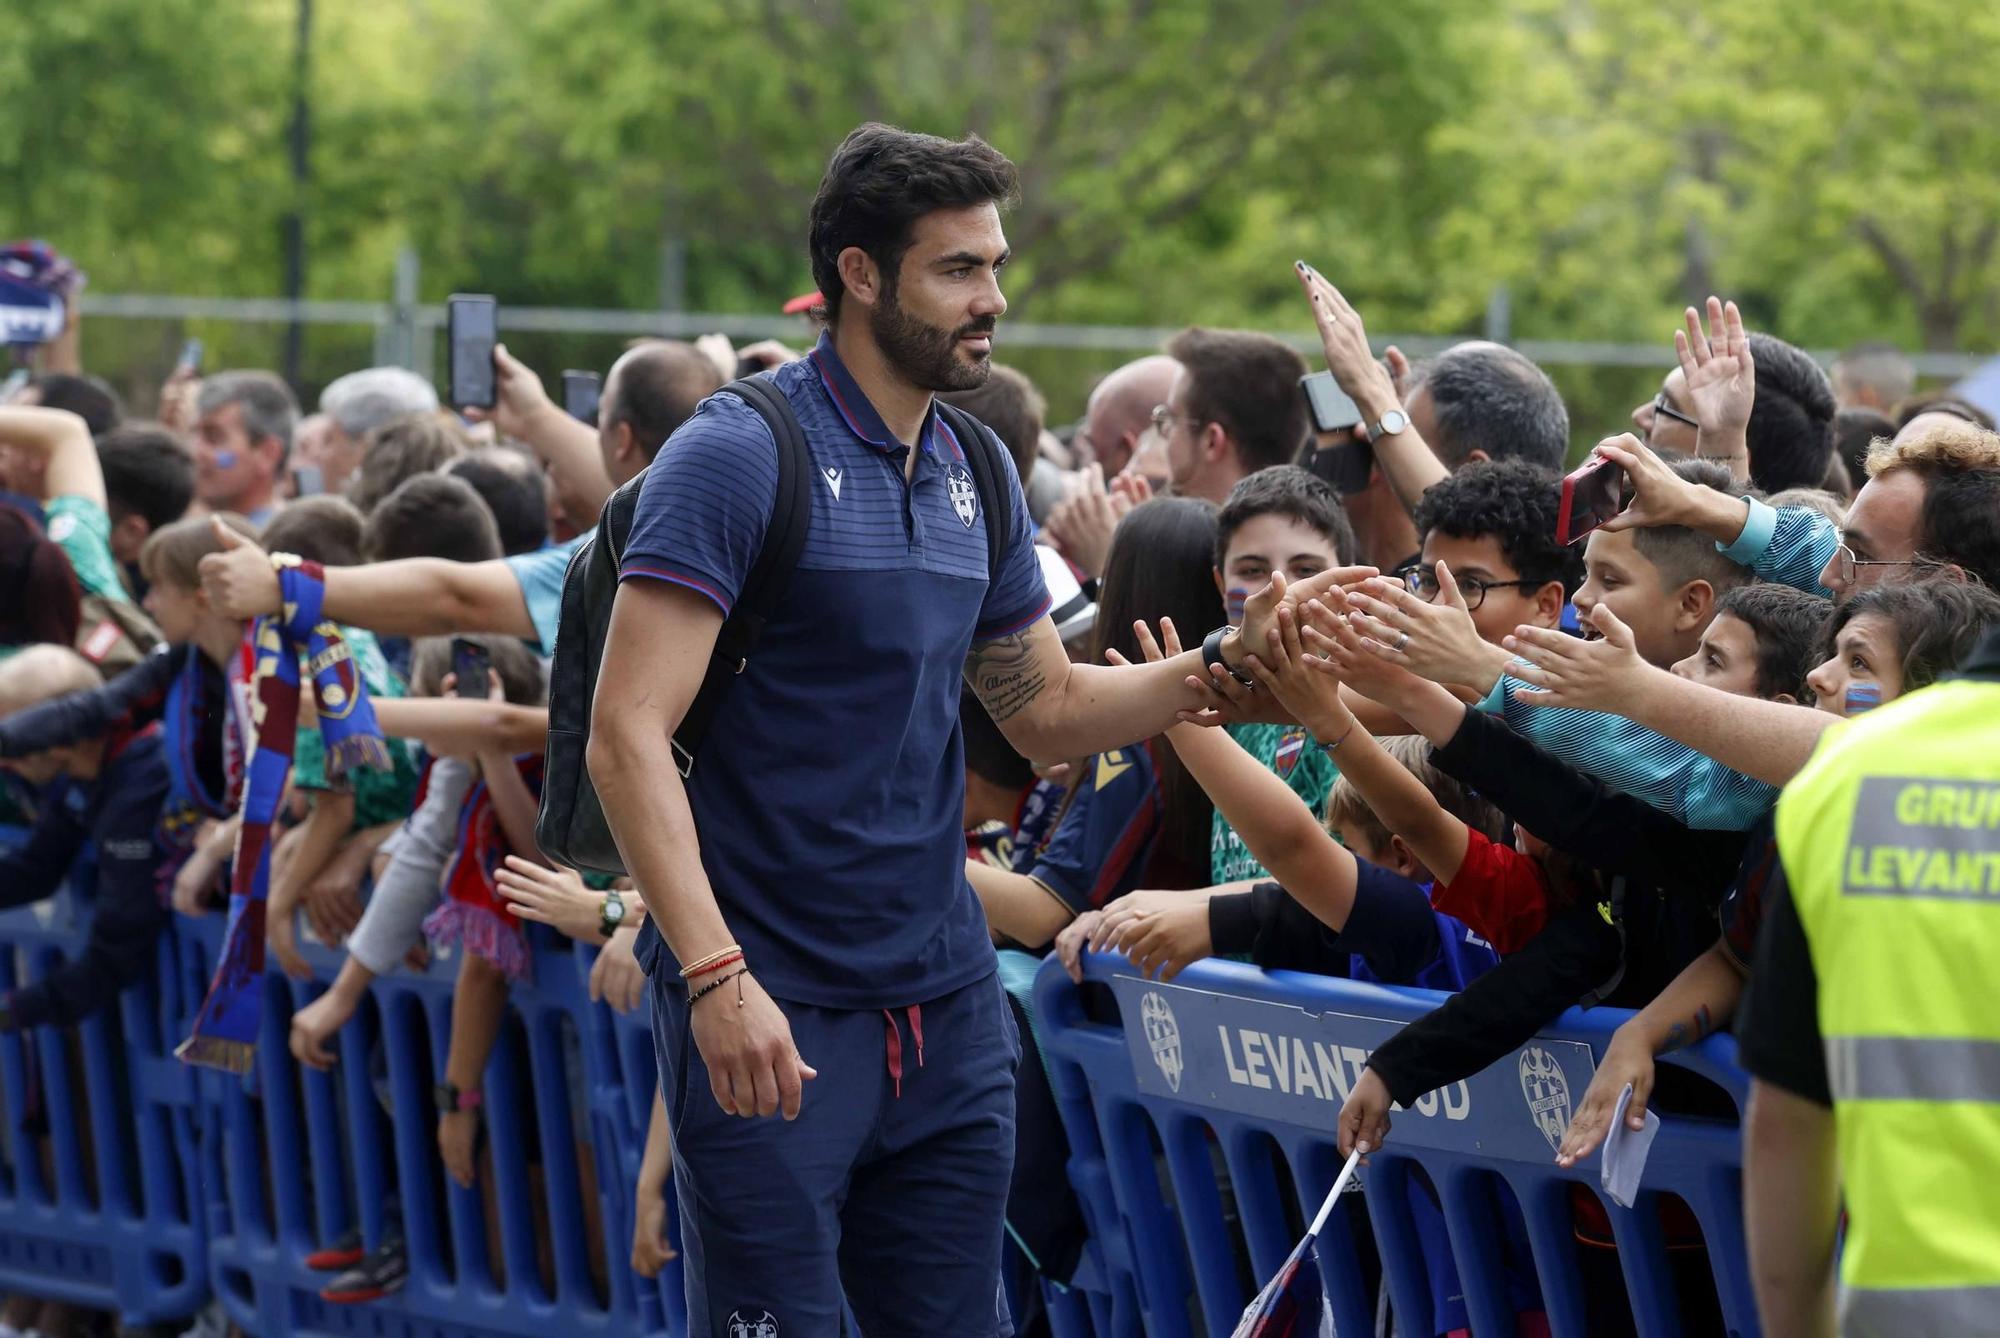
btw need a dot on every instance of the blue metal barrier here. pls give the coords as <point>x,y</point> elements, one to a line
<point>1157,1082</point>
<point>295,1158</point>
<point>99,1203</point>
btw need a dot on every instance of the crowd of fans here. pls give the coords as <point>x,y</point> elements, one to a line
<point>1530,773</point>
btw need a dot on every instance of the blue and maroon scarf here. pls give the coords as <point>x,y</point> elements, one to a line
<point>225,1031</point>
<point>473,914</point>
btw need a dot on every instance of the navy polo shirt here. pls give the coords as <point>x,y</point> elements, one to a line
<point>829,790</point>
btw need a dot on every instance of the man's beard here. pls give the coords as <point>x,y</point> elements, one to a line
<point>926,354</point>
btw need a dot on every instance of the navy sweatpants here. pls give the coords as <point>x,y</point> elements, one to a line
<point>888,1193</point>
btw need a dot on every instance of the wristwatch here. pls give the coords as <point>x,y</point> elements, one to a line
<point>1211,653</point>
<point>1389,424</point>
<point>611,915</point>
<point>450,1099</point>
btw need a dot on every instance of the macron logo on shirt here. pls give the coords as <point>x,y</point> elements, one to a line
<point>833,481</point>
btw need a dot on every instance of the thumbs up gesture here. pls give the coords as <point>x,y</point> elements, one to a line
<point>240,581</point>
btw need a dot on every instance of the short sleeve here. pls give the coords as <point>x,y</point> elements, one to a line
<point>1102,840</point>
<point>1391,926</point>
<point>1016,597</point>
<point>1777,1025</point>
<point>706,503</point>
<point>540,576</point>
<point>82,529</point>
<point>1499,894</point>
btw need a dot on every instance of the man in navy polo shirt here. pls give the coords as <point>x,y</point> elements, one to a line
<point>823,955</point>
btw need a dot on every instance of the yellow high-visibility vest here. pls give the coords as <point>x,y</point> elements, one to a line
<point>1891,841</point>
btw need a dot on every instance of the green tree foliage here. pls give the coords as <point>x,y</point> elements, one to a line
<point>1832,164</point>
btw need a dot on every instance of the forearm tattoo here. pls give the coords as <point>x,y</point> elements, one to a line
<point>1680,1034</point>
<point>1004,675</point>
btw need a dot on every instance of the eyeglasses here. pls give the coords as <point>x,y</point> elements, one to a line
<point>1164,419</point>
<point>1423,583</point>
<point>1662,409</point>
<point>1845,563</point>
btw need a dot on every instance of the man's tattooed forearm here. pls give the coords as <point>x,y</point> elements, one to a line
<point>1004,675</point>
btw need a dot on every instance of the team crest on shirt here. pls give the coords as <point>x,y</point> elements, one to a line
<point>964,494</point>
<point>764,1326</point>
<point>1290,749</point>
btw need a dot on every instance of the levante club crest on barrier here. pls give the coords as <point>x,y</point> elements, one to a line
<point>1547,1091</point>
<point>1163,1035</point>
<point>764,1326</point>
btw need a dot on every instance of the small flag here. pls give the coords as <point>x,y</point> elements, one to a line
<point>1293,1304</point>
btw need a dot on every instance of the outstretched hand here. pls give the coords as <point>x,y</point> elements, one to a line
<point>240,581</point>
<point>1300,681</point>
<point>1721,373</point>
<point>1436,640</point>
<point>1568,671</point>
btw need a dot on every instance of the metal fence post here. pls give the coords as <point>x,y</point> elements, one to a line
<point>396,342</point>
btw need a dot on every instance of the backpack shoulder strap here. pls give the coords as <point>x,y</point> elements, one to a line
<point>989,475</point>
<point>777,558</point>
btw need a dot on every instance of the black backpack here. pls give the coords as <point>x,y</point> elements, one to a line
<point>571,828</point>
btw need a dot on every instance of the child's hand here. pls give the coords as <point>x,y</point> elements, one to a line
<point>555,897</point>
<point>1436,640</point>
<point>1364,1119</point>
<point>281,935</point>
<point>650,1250</point>
<point>1071,941</point>
<point>458,1140</point>
<point>1569,671</point>
<point>1162,933</point>
<point>1312,696</point>
<point>615,977</point>
<point>314,1025</point>
<point>1625,1061</point>
<point>1334,647</point>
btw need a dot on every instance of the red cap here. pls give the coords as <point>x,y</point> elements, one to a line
<point>803,303</point>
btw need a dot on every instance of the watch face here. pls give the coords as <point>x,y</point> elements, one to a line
<point>614,909</point>
<point>1393,422</point>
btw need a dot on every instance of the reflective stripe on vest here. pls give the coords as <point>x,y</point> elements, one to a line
<point>1900,1312</point>
<point>1912,1068</point>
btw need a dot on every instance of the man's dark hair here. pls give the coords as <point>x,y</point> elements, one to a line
<point>432,515</point>
<point>657,389</point>
<point>1491,398</point>
<point>1789,626</point>
<point>267,405</point>
<point>1249,383</point>
<point>1681,554</point>
<point>401,449</point>
<point>510,483</point>
<point>1289,491</point>
<point>1517,503</point>
<point>147,470</point>
<point>1009,404</point>
<point>1791,421</point>
<point>90,398</point>
<point>1938,622</point>
<point>1854,431</point>
<point>1939,401</point>
<point>879,182</point>
<point>323,529</point>
<point>988,755</point>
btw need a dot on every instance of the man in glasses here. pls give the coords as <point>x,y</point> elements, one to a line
<point>1789,436</point>
<point>1932,501</point>
<point>1235,408</point>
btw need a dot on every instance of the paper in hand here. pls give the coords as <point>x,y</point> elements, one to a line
<point>1625,1152</point>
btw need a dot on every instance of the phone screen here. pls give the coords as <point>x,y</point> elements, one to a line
<point>308,480</point>
<point>1331,409</point>
<point>1591,495</point>
<point>191,355</point>
<point>470,662</point>
<point>473,322</point>
<point>580,395</point>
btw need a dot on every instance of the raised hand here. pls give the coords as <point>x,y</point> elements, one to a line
<point>1344,339</point>
<point>1311,694</point>
<point>1436,640</point>
<point>1584,675</point>
<point>1721,376</point>
<point>240,581</point>
<point>1082,526</point>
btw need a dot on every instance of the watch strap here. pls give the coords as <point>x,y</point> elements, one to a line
<point>451,1099</point>
<point>1211,653</point>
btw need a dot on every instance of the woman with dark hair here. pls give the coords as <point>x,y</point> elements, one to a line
<point>39,597</point>
<point>1134,817</point>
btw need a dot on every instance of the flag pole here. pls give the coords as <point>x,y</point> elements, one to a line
<point>1333,1195</point>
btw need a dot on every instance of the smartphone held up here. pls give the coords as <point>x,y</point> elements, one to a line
<point>471,666</point>
<point>472,326</point>
<point>1592,493</point>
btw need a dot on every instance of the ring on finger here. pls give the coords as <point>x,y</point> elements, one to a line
<point>1402,643</point>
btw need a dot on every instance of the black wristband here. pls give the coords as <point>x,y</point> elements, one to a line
<point>1211,653</point>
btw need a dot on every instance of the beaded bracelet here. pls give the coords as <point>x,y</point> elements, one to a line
<point>695,996</point>
<point>696,968</point>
